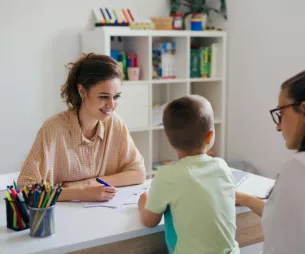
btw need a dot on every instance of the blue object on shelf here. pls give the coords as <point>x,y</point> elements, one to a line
<point>115,54</point>
<point>196,24</point>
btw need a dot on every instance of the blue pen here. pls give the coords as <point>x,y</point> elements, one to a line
<point>103,182</point>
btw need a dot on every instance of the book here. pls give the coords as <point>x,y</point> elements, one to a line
<point>214,63</point>
<point>248,183</point>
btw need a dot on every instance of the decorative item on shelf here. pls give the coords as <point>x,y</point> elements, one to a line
<point>157,114</point>
<point>133,73</point>
<point>108,17</point>
<point>177,21</point>
<point>142,25</point>
<point>128,63</point>
<point>189,7</point>
<point>213,28</point>
<point>164,65</point>
<point>163,23</point>
<point>196,22</point>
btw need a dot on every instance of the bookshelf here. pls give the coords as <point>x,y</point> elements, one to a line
<point>139,97</point>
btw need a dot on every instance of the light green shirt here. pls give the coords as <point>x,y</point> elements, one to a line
<point>197,197</point>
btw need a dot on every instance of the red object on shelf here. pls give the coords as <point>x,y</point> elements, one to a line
<point>177,21</point>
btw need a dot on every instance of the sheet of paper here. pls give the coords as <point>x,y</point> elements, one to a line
<point>124,196</point>
<point>136,195</point>
<point>119,199</point>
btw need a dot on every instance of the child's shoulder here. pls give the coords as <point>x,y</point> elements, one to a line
<point>219,162</point>
<point>167,172</point>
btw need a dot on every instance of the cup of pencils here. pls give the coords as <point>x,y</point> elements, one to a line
<point>17,208</point>
<point>42,201</point>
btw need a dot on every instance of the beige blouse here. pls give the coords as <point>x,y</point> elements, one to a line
<point>61,153</point>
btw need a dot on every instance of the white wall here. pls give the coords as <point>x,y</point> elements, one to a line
<point>37,39</point>
<point>266,46</point>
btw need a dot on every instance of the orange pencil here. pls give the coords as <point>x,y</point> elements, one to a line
<point>126,16</point>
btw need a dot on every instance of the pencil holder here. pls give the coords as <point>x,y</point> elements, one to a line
<point>17,217</point>
<point>42,221</point>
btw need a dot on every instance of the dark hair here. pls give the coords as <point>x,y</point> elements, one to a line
<point>186,121</point>
<point>88,70</point>
<point>295,88</point>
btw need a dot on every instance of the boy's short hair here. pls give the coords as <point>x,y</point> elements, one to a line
<point>187,120</point>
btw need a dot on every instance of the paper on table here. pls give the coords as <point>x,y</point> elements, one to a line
<point>136,195</point>
<point>119,199</point>
<point>124,196</point>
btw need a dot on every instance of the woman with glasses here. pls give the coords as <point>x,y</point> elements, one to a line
<point>283,215</point>
<point>88,140</point>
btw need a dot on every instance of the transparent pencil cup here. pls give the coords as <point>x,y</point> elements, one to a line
<point>42,221</point>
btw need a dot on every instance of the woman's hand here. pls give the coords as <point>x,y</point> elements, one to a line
<point>98,193</point>
<point>241,199</point>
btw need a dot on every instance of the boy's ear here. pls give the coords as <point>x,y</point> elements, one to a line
<point>165,136</point>
<point>209,137</point>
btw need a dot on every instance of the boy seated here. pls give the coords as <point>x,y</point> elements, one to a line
<point>196,194</point>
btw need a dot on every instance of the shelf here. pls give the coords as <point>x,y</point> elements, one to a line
<point>161,127</point>
<point>173,81</point>
<point>138,129</point>
<point>136,82</point>
<point>168,81</point>
<point>136,107</point>
<point>126,31</point>
<point>205,80</point>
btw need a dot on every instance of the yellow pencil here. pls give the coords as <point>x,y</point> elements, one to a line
<point>41,199</point>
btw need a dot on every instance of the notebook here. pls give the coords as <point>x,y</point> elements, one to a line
<point>239,177</point>
<point>252,184</point>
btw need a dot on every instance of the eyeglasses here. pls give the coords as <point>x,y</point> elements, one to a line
<point>277,112</point>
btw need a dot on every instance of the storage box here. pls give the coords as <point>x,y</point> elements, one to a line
<point>163,23</point>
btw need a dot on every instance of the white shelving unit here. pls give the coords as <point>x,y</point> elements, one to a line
<point>138,97</point>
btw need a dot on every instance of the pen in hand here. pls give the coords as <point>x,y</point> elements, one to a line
<point>103,182</point>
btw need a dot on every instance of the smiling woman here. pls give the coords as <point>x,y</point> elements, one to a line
<point>88,140</point>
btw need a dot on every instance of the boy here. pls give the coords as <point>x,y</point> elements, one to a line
<point>196,194</point>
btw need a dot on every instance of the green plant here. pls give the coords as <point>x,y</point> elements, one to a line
<point>197,6</point>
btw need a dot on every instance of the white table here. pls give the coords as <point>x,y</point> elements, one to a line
<point>76,228</point>
<point>79,228</point>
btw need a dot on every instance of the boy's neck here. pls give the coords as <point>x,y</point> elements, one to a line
<point>183,154</point>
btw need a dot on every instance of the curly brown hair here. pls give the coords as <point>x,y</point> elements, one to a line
<point>88,70</point>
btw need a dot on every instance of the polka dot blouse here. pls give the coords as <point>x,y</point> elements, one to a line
<point>61,153</point>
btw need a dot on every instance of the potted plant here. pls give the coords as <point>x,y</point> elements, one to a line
<point>191,7</point>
